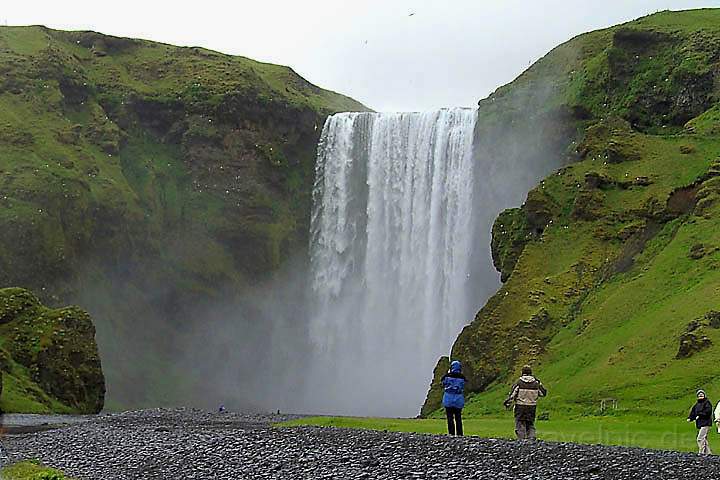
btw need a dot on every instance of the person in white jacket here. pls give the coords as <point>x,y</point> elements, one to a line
<point>717,416</point>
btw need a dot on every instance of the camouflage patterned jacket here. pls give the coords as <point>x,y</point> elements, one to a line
<point>526,391</point>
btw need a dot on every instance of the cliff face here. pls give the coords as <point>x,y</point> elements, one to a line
<point>147,182</point>
<point>610,266</point>
<point>50,361</point>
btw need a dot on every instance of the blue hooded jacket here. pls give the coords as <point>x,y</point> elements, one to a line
<point>454,386</point>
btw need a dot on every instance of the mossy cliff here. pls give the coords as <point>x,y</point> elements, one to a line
<point>611,267</point>
<point>146,182</point>
<point>48,357</point>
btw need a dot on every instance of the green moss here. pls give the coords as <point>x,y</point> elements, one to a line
<point>510,234</point>
<point>32,471</point>
<point>48,357</point>
<point>706,124</point>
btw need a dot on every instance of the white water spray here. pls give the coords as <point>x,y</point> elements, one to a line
<point>391,240</point>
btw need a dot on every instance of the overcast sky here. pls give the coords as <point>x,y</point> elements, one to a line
<point>389,54</point>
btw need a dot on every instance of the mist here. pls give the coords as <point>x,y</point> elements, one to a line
<point>163,346</point>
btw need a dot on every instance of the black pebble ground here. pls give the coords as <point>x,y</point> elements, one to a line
<point>188,444</point>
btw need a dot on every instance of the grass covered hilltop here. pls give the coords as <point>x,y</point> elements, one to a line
<point>149,183</point>
<point>611,268</point>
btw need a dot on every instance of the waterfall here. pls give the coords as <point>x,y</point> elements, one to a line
<point>391,238</point>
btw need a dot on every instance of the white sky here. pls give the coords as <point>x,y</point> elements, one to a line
<point>449,53</point>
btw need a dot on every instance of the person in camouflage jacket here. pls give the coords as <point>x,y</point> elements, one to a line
<point>524,396</point>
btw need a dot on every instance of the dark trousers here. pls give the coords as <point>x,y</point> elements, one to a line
<point>525,422</point>
<point>454,418</point>
<point>525,429</point>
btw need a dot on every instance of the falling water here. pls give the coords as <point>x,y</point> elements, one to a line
<point>391,237</point>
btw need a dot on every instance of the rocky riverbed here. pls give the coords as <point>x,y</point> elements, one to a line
<point>188,444</point>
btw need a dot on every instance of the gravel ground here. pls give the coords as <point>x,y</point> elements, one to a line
<point>189,444</point>
<point>16,423</point>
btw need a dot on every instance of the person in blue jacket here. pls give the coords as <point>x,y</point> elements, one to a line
<point>453,399</point>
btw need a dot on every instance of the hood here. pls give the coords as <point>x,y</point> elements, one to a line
<point>455,367</point>
<point>527,378</point>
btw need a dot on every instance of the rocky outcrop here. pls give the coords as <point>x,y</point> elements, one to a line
<point>691,343</point>
<point>695,338</point>
<point>50,355</point>
<point>510,233</point>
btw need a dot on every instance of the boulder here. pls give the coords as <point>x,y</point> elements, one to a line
<point>713,318</point>
<point>56,348</point>
<point>691,343</point>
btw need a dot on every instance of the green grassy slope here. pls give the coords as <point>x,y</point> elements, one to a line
<point>611,266</point>
<point>148,183</point>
